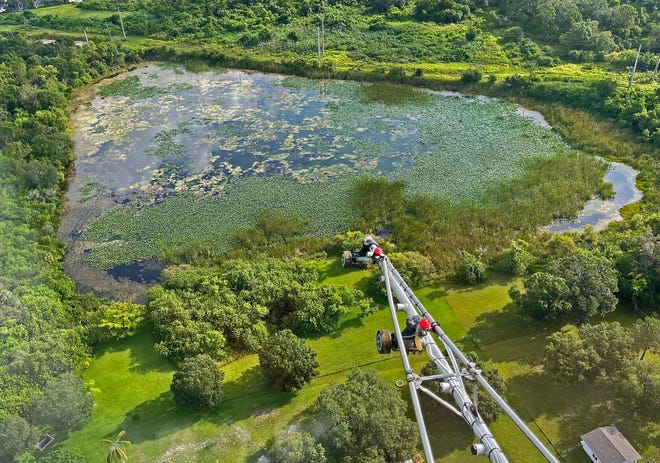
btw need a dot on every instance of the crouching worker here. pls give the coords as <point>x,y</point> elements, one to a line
<point>364,256</point>
<point>369,245</point>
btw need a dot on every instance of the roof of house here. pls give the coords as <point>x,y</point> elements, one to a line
<point>610,446</point>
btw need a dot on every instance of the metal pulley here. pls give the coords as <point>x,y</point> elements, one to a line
<point>385,343</point>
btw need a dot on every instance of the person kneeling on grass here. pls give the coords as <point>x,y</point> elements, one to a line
<point>369,245</point>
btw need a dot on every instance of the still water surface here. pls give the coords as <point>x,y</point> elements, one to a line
<point>170,132</point>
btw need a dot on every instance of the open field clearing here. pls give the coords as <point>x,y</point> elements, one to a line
<point>134,396</point>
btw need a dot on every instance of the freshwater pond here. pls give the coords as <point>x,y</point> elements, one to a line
<point>598,212</point>
<point>166,158</point>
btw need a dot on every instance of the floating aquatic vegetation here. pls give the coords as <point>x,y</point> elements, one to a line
<point>129,87</point>
<point>90,190</point>
<point>166,144</point>
<point>126,234</point>
<point>194,157</point>
<point>394,94</point>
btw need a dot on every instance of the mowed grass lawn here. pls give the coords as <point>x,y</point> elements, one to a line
<point>133,388</point>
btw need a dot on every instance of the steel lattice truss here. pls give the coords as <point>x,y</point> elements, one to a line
<point>423,333</point>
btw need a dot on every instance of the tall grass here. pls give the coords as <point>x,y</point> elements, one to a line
<point>609,139</point>
<point>508,209</point>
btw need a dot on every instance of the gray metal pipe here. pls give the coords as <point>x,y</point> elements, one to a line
<point>426,443</point>
<point>394,283</point>
<point>451,347</point>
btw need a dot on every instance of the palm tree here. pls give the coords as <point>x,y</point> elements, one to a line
<point>117,449</point>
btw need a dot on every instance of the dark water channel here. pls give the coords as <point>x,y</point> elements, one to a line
<point>145,272</point>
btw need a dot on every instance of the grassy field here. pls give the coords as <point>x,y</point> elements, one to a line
<point>133,388</point>
<point>72,11</point>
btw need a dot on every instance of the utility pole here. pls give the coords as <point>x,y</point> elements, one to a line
<point>121,21</point>
<point>655,71</point>
<point>632,75</point>
<point>322,34</point>
<point>86,38</point>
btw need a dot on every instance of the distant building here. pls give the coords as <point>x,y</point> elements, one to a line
<point>607,445</point>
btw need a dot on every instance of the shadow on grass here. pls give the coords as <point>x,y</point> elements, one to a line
<point>248,396</point>
<point>527,389</point>
<point>449,432</point>
<point>607,409</point>
<point>252,381</point>
<point>435,293</point>
<point>502,324</point>
<point>355,322</point>
<point>144,360</point>
<point>508,325</point>
<point>147,421</point>
<point>355,277</point>
<point>240,408</point>
<point>583,417</point>
<point>578,407</point>
<point>141,351</point>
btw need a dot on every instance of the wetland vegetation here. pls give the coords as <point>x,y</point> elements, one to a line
<point>573,67</point>
<point>212,151</point>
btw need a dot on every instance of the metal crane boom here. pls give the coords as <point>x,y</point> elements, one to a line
<point>418,336</point>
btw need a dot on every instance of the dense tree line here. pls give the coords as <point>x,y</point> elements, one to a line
<point>608,354</point>
<point>581,277</point>
<point>228,309</point>
<point>581,284</point>
<point>590,25</point>
<point>44,339</point>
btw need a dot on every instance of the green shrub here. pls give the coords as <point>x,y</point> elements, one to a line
<point>198,383</point>
<point>606,191</point>
<point>297,447</point>
<point>287,362</point>
<point>471,76</point>
<point>516,259</point>
<point>470,269</point>
<point>121,319</point>
<point>65,456</point>
<point>415,268</point>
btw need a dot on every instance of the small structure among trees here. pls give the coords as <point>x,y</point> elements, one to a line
<point>608,445</point>
<point>43,442</point>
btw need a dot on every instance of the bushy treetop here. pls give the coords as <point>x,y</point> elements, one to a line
<point>198,383</point>
<point>366,420</point>
<point>287,362</point>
